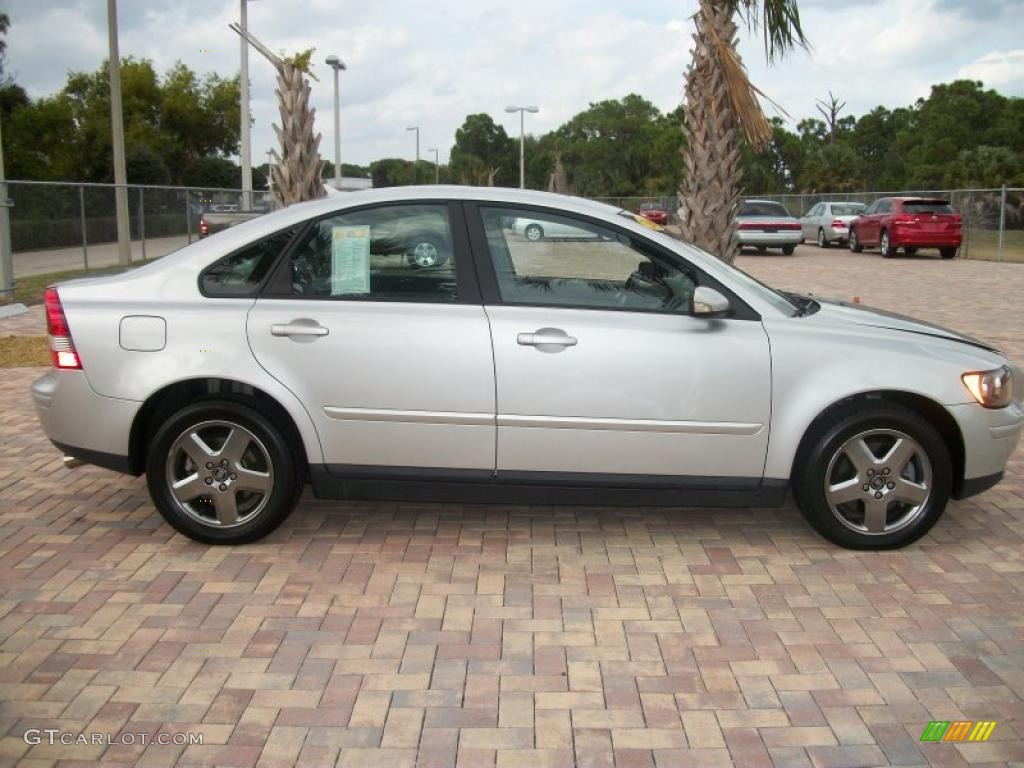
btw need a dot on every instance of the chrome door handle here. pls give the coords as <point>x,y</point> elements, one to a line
<point>301,327</point>
<point>546,339</point>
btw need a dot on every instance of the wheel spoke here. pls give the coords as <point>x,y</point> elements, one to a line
<point>861,457</point>
<point>912,493</point>
<point>196,449</point>
<point>849,490</point>
<point>251,480</point>
<point>234,446</point>
<point>902,451</point>
<point>226,506</point>
<point>875,513</point>
<point>188,488</point>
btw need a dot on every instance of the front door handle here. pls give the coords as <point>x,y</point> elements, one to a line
<point>302,329</point>
<point>546,340</point>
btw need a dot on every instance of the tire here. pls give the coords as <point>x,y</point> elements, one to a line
<point>885,246</point>
<point>426,251</point>
<point>822,240</point>
<point>854,243</point>
<point>534,232</point>
<point>762,249</point>
<point>824,457</point>
<point>257,456</point>
<point>787,250</point>
<point>910,250</point>
<point>947,253</point>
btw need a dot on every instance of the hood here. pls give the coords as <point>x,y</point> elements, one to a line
<point>835,311</point>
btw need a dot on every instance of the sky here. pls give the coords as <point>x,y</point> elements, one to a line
<point>432,63</point>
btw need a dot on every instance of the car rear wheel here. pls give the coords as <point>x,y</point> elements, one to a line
<point>426,252</point>
<point>873,476</point>
<point>220,472</point>
<point>947,253</point>
<point>855,245</point>
<point>534,232</point>
<point>822,240</point>
<point>885,246</point>
<point>788,250</point>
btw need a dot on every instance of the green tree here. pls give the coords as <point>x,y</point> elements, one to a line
<point>482,152</point>
<point>207,172</point>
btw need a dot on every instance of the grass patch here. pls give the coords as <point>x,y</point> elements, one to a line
<point>983,245</point>
<point>20,351</point>
<point>29,290</point>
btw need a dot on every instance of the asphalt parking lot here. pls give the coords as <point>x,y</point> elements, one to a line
<point>436,634</point>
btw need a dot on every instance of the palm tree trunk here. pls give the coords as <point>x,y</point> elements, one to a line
<point>297,170</point>
<point>709,193</point>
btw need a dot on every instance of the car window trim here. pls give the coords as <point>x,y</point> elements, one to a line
<point>297,230</point>
<point>488,277</point>
<point>279,286</point>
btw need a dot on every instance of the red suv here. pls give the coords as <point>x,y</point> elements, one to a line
<point>908,223</point>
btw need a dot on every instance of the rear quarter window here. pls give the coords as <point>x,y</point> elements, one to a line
<point>242,273</point>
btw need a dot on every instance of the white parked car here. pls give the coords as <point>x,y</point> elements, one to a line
<point>829,222</point>
<point>765,224</point>
<point>539,229</point>
<point>626,367</point>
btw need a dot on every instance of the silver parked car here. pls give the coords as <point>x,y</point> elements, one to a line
<point>615,365</point>
<point>765,224</point>
<point>829,222</point>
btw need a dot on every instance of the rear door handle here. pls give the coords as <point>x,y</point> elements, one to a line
<point>546,340</point>
<point>303,328</point>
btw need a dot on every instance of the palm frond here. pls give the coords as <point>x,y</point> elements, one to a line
<point>779,22</point>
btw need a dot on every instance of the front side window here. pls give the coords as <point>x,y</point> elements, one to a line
<point>241,273</point>
<point>394,252</point>
<point>542,258</point>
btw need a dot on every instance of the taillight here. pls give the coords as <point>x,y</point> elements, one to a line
<point>62,348</point>
<point>204,228</point>
<point>837,224</point>
<point>904,221</point>
<point>789,226</point>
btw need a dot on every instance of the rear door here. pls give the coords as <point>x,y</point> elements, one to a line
<point>811,221</point>
<point>373,319</point>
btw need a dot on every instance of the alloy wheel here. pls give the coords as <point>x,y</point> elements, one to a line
<point>425,254</point>
<point>219,474</point>
<point>878,482</point>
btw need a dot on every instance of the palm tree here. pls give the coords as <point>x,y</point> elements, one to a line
<point>297,168</point>
<point>721,111</point>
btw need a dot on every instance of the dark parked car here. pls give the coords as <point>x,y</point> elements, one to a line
<point>909,223</point>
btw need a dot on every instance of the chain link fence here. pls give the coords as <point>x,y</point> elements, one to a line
<point>993,219</point>
<point>67,227</point>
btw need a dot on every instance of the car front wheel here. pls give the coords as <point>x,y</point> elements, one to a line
<point>873,476</point>
<point>534,232</point>
<point>220,472</point>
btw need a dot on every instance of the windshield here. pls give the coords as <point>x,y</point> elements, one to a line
<point>651,207</point>
<point>763,209</point>
<point>847,209</point>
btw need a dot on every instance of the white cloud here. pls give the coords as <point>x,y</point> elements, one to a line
<point>1002,70</point>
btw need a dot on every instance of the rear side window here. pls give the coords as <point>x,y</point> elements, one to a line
<point>927,206</point>
<point>763,209</point>
<point>241,273</point>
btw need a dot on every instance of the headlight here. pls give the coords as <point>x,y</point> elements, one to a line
<point>992,389</point>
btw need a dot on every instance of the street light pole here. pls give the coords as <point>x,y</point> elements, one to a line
<point>416,168</point>
<point>124,247</point>
<point>522,139</point>
<point>337,65</point>
<point>437,168</point>
<point>245,153</point>
<point>270,172</point>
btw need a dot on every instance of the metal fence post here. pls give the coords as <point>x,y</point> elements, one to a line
<point>188,217</point>
<point>6,256</point>
<point>85,238</point>
<point>1002,222</point>
<point>142,220</point>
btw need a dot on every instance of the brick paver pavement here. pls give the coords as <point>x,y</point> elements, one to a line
<point>437,634</point>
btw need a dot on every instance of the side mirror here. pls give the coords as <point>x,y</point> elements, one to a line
<point>707,302</point>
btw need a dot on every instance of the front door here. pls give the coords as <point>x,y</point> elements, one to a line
<point>603,373</point>
<point>375,324</point>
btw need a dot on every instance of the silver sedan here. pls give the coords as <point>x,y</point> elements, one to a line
<point>765,224</point>
<point>829,222</point>
<point>613,364</point>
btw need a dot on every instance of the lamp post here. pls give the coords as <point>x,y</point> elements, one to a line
<point>245,150</point>
<point>270,172</point>
<point>522,143</point>
<point>124,247</point>
<point>337,65</point>
<point>416,168</point>
<point>437,168</point>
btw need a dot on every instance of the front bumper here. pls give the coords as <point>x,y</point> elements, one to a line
<point>990,437</point>
<point>82,424</point>
<point>769,239</point>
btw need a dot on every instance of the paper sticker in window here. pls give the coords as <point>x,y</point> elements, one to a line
<point>350,261</point>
